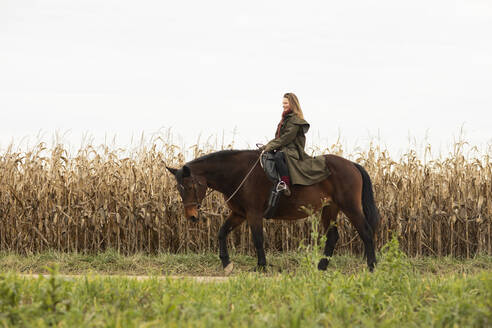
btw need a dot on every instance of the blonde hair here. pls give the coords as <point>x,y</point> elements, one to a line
<point>294,104</point>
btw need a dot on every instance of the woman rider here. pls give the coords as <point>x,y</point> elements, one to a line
<point>288,145</point>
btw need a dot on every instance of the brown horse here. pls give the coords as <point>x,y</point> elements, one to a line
<point>347,189</point>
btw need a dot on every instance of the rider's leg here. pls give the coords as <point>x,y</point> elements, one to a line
<point>283,170</point>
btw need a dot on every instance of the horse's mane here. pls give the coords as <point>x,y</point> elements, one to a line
<point>220,155</point>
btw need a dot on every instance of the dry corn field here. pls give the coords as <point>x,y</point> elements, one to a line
<point>97,199</point>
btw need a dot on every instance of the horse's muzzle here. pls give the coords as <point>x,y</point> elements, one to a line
<point>192,213</point>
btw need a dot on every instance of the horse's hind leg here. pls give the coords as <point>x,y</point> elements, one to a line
<point>329,215</point>
<point>230,223</point>
<point>358,219</point>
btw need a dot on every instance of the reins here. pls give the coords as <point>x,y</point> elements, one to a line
<point>240,185</point>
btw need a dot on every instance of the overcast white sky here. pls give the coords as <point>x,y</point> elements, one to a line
<point>360,68</point>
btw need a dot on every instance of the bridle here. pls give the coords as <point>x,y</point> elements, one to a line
<point>194,183</point>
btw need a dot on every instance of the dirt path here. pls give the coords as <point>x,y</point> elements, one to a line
<point>64,276</point>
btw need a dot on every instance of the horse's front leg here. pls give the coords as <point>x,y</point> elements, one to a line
<point>255,222</point>
<point>230,223</point>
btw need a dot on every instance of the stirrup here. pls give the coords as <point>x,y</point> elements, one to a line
<point>281,186</point>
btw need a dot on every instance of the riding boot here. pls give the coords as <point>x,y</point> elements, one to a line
<point>286,179</point>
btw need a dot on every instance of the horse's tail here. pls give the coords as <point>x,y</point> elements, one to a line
<point>368,204</point>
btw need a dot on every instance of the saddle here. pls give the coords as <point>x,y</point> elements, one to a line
<point>267,162</point>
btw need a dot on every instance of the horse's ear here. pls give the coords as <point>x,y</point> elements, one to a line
<point>186,171</point>
<point>173,171</point>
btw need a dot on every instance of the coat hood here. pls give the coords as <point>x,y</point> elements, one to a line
<point>293,118</point>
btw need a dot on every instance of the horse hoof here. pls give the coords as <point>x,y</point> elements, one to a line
<point>323,264</point>
<point>228,269</point>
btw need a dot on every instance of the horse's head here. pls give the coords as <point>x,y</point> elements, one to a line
<point>192,190</point>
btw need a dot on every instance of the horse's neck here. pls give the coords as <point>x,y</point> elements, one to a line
<point>222,175</point>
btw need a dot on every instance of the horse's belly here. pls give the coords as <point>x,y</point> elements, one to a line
<point>299,207</point>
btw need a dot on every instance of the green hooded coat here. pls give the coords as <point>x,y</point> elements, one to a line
<point>303,169</point>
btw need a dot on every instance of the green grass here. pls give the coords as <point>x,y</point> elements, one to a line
<point>405,292</point>
<point>317,299</point>
<point>208,264</point>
